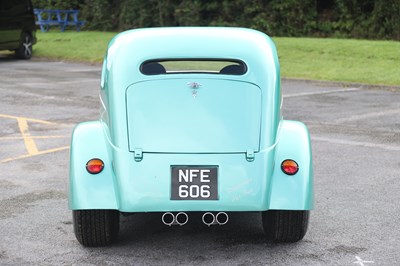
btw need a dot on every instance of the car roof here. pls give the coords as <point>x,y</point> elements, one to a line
<point>128,50</point>
<point>179,41</point>
<point>191,42</point>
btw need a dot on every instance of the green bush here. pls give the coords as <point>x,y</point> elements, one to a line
<point>373,19</point>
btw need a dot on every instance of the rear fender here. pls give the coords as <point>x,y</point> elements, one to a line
<point>292,192</point>
<point>88,191</point>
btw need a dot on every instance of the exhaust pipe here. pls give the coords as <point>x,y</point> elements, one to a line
<point>220,218</point>
<point>169,219</point>
<point>181,218</point>
<point>208,219</point>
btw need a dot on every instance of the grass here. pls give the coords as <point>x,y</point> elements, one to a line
<point>360,61</point>
<point>88,46</point>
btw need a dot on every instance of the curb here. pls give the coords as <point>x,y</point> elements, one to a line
<point>346,84</point>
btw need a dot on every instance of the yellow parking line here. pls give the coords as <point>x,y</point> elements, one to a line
<point>35,137</point>
<point>31,155</point>
<point>28,139</point>
<point>28,119</point>
<point>29,142</point>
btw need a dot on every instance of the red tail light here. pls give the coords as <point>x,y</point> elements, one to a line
<point>94,166</point>
<point>289,167</point>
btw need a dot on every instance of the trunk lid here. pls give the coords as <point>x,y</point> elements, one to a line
<point>193,116</point>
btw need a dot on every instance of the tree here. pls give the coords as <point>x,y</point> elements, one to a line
<point>347,18</point>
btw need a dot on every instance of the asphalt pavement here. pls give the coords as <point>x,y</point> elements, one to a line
<point>355,135</point>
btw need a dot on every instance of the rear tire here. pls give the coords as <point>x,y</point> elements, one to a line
<point>285,226</point>
<point>96,228</point>
<point>24,51</point>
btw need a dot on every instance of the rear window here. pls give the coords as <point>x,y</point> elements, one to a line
<point>224,67</point>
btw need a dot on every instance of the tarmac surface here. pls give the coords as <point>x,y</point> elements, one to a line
<point>356,149</point>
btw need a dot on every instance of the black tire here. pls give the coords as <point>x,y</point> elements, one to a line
<point>24,51</point>
<point>285,226</point>
<point>96,228</point>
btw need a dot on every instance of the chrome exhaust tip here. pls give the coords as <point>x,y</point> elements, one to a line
<point>181,218</point>
<point>208,218</point>
<point>168,218</point>
<point>222,218</point>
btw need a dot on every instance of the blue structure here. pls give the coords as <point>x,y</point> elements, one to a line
<point>61,18</point>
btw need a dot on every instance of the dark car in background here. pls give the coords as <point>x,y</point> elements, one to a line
<point>17,27</point>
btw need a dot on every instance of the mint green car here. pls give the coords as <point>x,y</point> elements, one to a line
<point>190,122</point>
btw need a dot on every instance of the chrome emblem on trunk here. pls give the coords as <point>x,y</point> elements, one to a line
<point>194,86</point>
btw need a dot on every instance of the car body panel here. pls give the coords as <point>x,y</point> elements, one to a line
<point>171,117</point>
<point>134,138</point>
<point>92,191</point>
<point>122,67</point>
<point>144,186</point>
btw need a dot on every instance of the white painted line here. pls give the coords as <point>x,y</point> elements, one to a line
<point>357,143</point>
<point>85,70</point>
<point>318,93</point>
<point>46,85</point>
<point>368,115</point>
<point>361,261</point>
<point>43,97</point>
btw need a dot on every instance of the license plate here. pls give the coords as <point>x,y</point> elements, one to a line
<point>194,182</point>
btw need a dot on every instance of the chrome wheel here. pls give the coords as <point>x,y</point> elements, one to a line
<point>27,46</point>
<point>24,51</point>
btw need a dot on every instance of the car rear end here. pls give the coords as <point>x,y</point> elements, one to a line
<point>175,138</point>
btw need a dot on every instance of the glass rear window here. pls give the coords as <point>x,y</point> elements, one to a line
<point>224,67</point>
